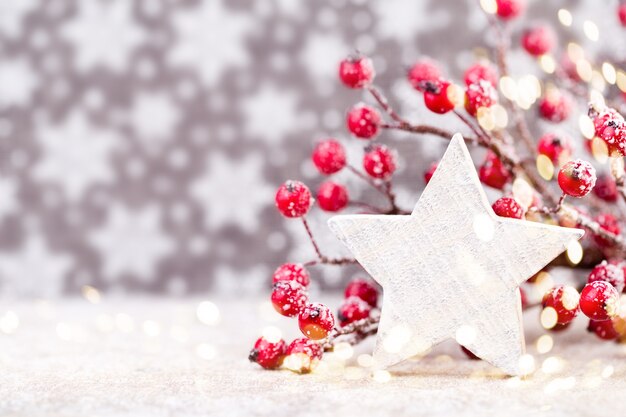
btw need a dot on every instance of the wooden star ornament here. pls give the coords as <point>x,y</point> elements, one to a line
<point>452,268</point>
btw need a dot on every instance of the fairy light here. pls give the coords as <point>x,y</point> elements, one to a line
<point>574,252</point>
<point>523,192</point>
<point>489,6</point>
<point>272,334</point>
<point>585,124</point>
<point>343,351</point>
<point>545,343</point>
<point>526,364</point>
<point>485,118</point>
<point>91,294</point>
<point>608,72</point>
<point>552,365</point>
<point>620,80</point>
<point>208,313</point>
<point>599,150</point>
<point>548,318</point>
<point>543,282</point>
<point>575,52</point>
<point>584,69</point>
<point>597,80</point>
<point>565,17</point>
<point>9,322</point>
<point>508,87</point>
<point>364,360</point>
<point>596,98</point>
<point>381,376</point>
<point>545,167</point>
<point>500,116</point>
<point>591,30</point>
<point>547,63</point>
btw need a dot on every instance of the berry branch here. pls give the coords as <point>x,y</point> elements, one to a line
<point>538,178</point>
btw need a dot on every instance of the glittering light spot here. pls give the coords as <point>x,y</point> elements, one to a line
<point>545,167</point>
<point>552,365</point>
<point>272,334</point>
<point>591,30</point>
<point>607,372</point>
<point>483,227</point>
<point>548,317</point>
<point>485,118</point>
<point>526,364</point>
<point>585,124</point>
<point>597,81</point>
<point>381,376</point>
<point>599,150</point>
<point>365,360</point>
<point>565,17</point>
<point>208,313</point>
<point>397,338</point>
<point>545,343</point>
<point>465,335</point>
<point>609,74</point>
<point>584,69</point>
<point>620,80</point>
<point>9,322</point>
<point>560,384</point>
<point>575,51</point>
<point>91,294</point>
<point>547,63</point>
<point>596,98</point>
<point>574,252</point>
<point>151,328</point>
<point>508,87</point>
<point>206,351</point>
<point>489,6</point>
<point>570,298</point>
<point>523,192</point>
<point>500,116</point>
<point>543,282</point>
<point>343,350</point>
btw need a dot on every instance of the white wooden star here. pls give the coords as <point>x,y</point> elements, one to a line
<point>452,268</point>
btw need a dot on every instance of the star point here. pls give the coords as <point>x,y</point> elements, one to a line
<point>452,268</point>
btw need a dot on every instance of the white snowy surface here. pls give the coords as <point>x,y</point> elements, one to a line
<point>144,357</point>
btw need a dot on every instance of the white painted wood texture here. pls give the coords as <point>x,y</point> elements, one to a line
<point>452,268</point>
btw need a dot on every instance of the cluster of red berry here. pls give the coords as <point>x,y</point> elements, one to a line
<point>598,299</point>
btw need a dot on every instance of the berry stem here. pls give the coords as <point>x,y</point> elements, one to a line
<point>384,104</point>
<point>311,238</point>
<point>485,139</point>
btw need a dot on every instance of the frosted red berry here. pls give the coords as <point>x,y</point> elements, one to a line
<point>555,106</point>
<point>268,354</point>
<point>362,289</point>
<point>611,273</point>
<point>316,321</point>
<point>611,128</point>
<point>556,147</point>
<point>440,96</point>
<point>428,174</point>
<point>356,71</point>
<point>539,40</point>
<point>493,173</point>
<point>353,309</point>
<point>332,196</point>
<point>509,9</point>
<point>621,13</point>
<point>564,300</point>
<point>423,72</point>
<point>480,94</point>
<point>289,298</point>
<point>481,71</point>
<point>363,121</point>
<point>303,355</point>
<point>603,329</point>
<point>508,207</point>
<point>598,300</point>
<point>292,272</point>
<point>379,162</point>
<point>576,178</point>
<point>329,156</point>
<point>608,223</point>
<point>293,199</point>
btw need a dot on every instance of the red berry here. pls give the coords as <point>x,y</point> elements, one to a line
<point>493,173</point>
<point>469,353</point>
<point>480,94</point>
<point>440,96</point>
<point>303,355</point>
<point>428,174</point>
<point>316,321</point>
<point>332,196</point>
<point>291,272</point>
<point>598,300</point>
<point>557,148</point>
<point>564,300</point>
<point>481,71</point>
<point>576,178</point>
<point>363,121</point>
<point>353,309</point>
<point>611,128</point>
<point>608,223</point>
<point>621,13</point>
<point>555,106</point>
<point>611,273</point>
<point>509,9</point>
<point>293,199</point>
<point>356,71</point>
<point>362,289</point>
<point>289,298</point>
<point>508,207</point>
<point>422,72</point>
<point>379,162</point>
<point>603,329</point>
<point>269,355</point>
<point>539,40</point>
<point>329,156</point>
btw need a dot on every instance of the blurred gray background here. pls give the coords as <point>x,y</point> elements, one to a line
<point>141,142</point>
